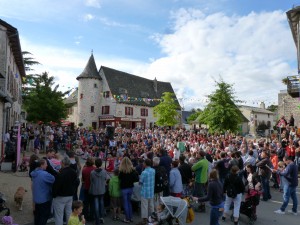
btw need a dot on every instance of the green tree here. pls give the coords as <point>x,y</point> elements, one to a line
<point>194,116</point>
<point>29,61</point>
<point>44,102</point>
<point>27,83</point>
<point>166,110</point>
<point>273,108</point>
<point>221,114</point>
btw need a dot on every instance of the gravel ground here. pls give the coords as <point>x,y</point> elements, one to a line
<point>9,182</point>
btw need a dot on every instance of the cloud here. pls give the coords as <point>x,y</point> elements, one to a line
<point>88,17</point>
<point>93,3</point>
<point>253,52</point>
<point>65,64</point>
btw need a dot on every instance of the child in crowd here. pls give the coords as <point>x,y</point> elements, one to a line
<point>115,194</point>
<point>283,180</point>
<point>75,218</point>
<point>161,214</point>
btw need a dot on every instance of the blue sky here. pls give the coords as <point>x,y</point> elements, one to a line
<point>189,43</point>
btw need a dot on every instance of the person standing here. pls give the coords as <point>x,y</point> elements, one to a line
<point>97,190</point>
<point>186,174</point>
<point>128,176</point>
<point>88,206</point>
<point>201,170</point>
<point>42,192</point>
<point>147,182</point>
<point>161,179</point>
<point>290,173</point>
<point>175,181</point>
<point>292,121</point>
<point>64,188</point>
<point>214,196</point>
<point>235,183</point>
<point>264,166</point>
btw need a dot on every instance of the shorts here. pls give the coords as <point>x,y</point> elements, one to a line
<point>115,202</point>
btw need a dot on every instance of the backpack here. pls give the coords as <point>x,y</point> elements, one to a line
<point>161,179</point>
<point>231,189</point>
<point>190,213</point>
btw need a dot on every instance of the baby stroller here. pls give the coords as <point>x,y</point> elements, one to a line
<point>248,207</point>
<point>4,211</point>
<point>177,208</point>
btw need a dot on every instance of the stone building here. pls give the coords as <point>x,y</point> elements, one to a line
<point>288,105</point>
<point>257,116</point>
<point>112,97</point>
<point>11,72</point>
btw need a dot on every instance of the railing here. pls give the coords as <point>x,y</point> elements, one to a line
<point>293,86</point>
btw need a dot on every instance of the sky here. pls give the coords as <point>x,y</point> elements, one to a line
<point>190,43</point>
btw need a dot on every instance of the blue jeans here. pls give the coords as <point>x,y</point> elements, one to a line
<point>289,192</point>
<point>126,195</point>
<point>265,188</point>
<point>99,207</point>
<point>215,215</point>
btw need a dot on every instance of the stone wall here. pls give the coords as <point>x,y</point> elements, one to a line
<point>90,90</point>
<point>287,106</point>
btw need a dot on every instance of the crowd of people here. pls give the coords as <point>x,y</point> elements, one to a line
<point>157,162</point>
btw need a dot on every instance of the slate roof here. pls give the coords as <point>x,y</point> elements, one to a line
<point>90,70</point>
<point>72,99</point>
<point>185,115</point>
<point>256,109</point>
<point>125,84</point>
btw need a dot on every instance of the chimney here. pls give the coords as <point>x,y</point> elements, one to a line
<point>262,105</point>
<point>155,85</point>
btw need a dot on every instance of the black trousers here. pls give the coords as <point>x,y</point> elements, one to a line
<point>42,213</point>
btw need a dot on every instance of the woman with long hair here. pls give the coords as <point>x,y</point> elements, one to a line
<point>214,196</point>
<point>127,176</point>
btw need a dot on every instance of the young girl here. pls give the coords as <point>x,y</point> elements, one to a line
<point>77,207</point>
<point>115,194</point>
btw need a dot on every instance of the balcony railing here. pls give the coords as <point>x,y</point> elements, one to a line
<point>293,86</point>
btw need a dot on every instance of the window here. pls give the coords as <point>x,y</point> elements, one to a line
<point>81,96</point>
<point>128,111</point>
<point>105,110</point>
<point>144,112</point>
<point>95,85</point>
<point>92,109</point>
<point>106,94</point>
<point>268,115</point>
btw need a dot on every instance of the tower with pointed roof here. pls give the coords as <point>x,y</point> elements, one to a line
<point>89,89</point>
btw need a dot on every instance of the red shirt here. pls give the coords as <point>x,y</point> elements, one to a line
<point>86,174</point>
<point>290,150</point>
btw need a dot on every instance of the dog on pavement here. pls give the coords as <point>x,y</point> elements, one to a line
<point>19,197</point>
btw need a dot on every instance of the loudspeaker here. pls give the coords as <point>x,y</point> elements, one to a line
<point>110,132</point>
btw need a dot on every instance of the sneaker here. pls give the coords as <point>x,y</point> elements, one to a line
<point>291,212</point>
<point>51,220</point>
<point>279,212</point>
<point>223,218</point>
<point>101,220</point>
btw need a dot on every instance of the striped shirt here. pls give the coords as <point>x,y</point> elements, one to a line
<point>147,181</point>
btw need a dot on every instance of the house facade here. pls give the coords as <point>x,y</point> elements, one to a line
<point>258,116</point>
<point>115,98</point>
<point>288,105</point>
<point>11,72</point>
